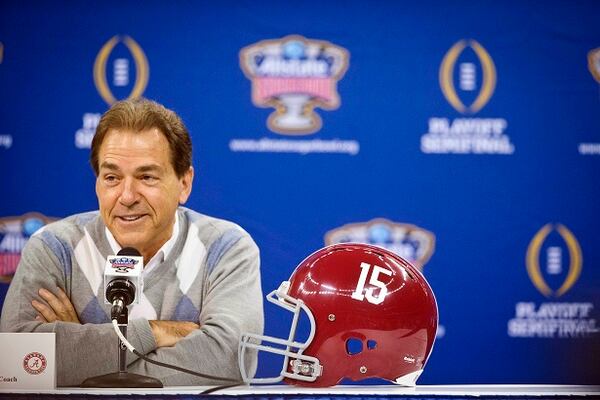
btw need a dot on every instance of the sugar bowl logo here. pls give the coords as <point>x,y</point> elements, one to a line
<point>294,75</point>
<point>476,78</point>
<point>594,63</point>
<point>14,233</point>
<point>410,242</point>
<point>123,264</point>
<point>34,363</point>
<point>545,262</point>
<point>113,79</point>
<point>592,148</point>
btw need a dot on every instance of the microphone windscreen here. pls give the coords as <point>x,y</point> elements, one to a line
<point>129,251</point>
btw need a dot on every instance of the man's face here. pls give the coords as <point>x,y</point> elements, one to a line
<point>138,190</point>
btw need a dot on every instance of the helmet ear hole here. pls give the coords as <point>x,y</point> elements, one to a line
<point>371,344</point>
<point>353,346</point>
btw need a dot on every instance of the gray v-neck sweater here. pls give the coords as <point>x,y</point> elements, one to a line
<point>211,277</point>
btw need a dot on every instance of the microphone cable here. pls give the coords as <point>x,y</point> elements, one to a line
<point>132,349</point>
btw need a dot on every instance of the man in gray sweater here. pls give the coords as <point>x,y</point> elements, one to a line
<point>201,275</point>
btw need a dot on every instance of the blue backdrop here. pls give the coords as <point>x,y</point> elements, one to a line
<point>463,135</point>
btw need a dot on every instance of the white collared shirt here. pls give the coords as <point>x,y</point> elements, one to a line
<point>162,253</point>
<point>144,309</point>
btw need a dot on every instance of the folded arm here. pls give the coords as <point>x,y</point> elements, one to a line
<point>232,305</point>
<point>39,299</point>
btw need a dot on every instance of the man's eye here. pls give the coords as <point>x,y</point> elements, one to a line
<point>110,178</point>
<point>149,178</point>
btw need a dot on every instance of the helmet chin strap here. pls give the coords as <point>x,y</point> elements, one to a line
<point>307,370</point>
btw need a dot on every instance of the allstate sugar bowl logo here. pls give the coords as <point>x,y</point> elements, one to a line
<point>123,264</point>
<point>594,63</point>
<point>14,233</point>
<point>409,241</point>
<point>6,141</point>
<point>294,75</point>
<point>120,72</point>
<point>554,263</point>
<point>467,78</point>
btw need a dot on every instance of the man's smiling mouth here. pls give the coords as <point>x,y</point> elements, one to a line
<point>130,218</point>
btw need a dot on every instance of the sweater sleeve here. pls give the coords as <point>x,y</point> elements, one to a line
<point>232,305</point>
<point>82,351</point>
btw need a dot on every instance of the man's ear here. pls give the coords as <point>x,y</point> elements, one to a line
<point>186,185</point>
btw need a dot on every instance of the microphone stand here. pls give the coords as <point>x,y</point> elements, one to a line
<point>122,379</point>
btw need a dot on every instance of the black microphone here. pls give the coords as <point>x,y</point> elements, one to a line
<point>123,280</point>
<point>123,285</point>
<point>120,292</point>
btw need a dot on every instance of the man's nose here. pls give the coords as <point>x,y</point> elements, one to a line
<point>129,194</point>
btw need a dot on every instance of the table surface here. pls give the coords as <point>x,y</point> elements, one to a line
<point>347,391</point>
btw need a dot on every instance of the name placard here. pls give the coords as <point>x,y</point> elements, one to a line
<point>28,361</point>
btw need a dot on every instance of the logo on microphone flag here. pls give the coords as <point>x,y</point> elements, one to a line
<point>123,264</point>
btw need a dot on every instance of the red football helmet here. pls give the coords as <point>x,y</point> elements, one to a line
<point>372,314</point>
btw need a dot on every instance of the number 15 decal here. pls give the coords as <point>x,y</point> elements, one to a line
<point>360,286</point>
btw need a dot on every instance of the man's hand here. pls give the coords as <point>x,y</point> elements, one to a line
<point>168,333</point>
<point>57,307</point>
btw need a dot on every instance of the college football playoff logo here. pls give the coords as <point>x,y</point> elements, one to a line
<point>467,76</point>
<point>120,69</point>
<point>553,251</point>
